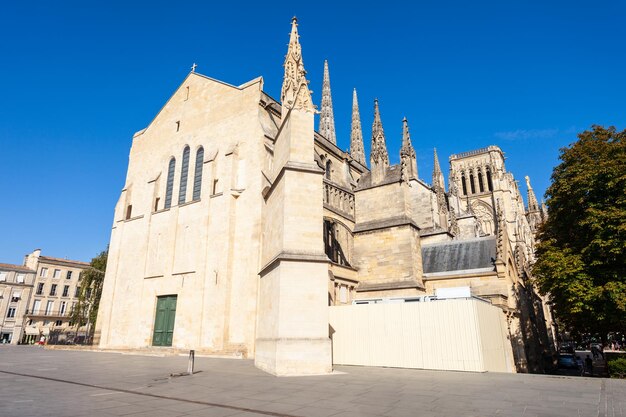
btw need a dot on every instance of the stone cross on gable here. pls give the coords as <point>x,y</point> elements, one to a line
<point>193,67</point>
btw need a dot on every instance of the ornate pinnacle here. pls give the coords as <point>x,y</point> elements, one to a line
<point>454,224</point>
<point>438,182</point>
<point>407,154</point>
<point>295,92</point>
<point>378,154</point>
<point>501,224</point>
<point>356,134</point>
<point>327,120</point>
<point>437,168</point>
<point>439,185</point>
<point>532,200</point>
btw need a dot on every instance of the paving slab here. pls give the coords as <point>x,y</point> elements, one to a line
<point>40,382</point>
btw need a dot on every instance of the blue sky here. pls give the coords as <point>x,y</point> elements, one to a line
<point>79,78</point>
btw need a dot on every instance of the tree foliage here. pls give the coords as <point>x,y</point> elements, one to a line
<point>91,279</point>
<point>581,255</point>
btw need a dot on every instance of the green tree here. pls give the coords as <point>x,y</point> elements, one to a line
<point>581,254</point>
<point>85,311</point>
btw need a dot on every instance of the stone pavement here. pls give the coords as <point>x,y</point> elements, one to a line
<point>41,382</point>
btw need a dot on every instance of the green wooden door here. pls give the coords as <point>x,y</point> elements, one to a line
<point>164,321</point>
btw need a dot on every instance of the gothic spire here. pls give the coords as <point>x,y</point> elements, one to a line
<point>327,120</point>
<point>356,134</point>
<point>379,159</point>
<point>408,162</point>
<point>295,92</point>
<point>438,182</point>
<point>532,200</point>
<point>439,186</point>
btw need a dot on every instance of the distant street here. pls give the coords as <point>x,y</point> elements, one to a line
<point>40,382</point>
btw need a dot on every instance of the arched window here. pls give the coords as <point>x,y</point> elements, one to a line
<point>197,175</point>
<point>489,183</point>
<point>170,183</point>
<point>481,187</point>
<point>464,184</point>
<point>328,169</point>
<point>184,171</point>
<point>472,186</point>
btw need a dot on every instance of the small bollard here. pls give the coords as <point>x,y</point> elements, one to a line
<point>192,357</point>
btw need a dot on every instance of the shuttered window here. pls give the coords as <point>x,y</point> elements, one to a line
<point>184,171</point>
<point>170,183</point>
<point>197,176</point>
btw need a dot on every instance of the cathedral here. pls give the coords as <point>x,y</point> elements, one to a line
<point>239,224</point>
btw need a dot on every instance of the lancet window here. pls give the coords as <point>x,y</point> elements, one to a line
<point>184,171</point>
<point>464,184</point>
<point>489,183</point>
<point>169,187</point>
<point>197,176</point>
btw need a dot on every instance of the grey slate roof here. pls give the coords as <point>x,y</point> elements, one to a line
<point>459,255</point>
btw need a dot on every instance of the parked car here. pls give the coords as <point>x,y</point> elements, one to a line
<point>568,361</point>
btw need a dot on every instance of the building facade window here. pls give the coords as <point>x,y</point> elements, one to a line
<point>66,290</point>
<point>36,306</point>
<point>58,323</point>
<point>11,312</point>
<point>62,309</point>
<point>20,278</point>
<point>472,186</point>
<point>169,186</point>
<point>3,276</point>
<point>197,175</point>
<point>69,275</point>
<point>53,289</point>
<point>49,307</point>
<point>40,288</point>
<point>43,272</point>
<point>464,184</point>
<point>489,183</point>
<point>77,291</point>
<point>481,187</point>
<point>57,273</point>
<point>327,173</point>
<point>184,173</point>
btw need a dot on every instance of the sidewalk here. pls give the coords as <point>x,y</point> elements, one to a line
<point>40,382</point>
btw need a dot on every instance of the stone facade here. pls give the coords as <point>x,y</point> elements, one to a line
<point>55,292</point>
<point>16,287</point>
<point>251,224</point>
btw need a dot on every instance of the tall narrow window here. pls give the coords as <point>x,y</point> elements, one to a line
<point>197,175</point>
<point>328,169</point>
<point>464,184</point>
<point>129,211</point>
<point>472,186</point>
<point>170,183</point>
<point>481,187</point>
<point>184,171</point>
<point>489,183</point>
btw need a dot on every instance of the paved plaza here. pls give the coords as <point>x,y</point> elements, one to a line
<point>42,382</point>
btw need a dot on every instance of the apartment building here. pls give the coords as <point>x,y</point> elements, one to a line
<point>16,287</point>
<point>55,289</point>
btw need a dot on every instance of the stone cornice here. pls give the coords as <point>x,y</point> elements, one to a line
<point>385,224</point>
<point>287,256</point>
<point>395,285</point>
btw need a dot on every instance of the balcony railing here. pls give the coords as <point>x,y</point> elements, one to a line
<point>48,313</point>
<point>338,198</point>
